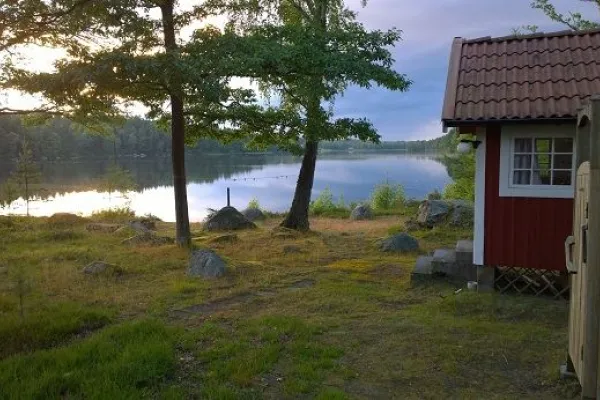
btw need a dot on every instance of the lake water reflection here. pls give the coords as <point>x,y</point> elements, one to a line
<point>269,178</point>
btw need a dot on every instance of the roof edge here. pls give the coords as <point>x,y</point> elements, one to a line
<point>452,80</point>
<point>456,123</point>
<point>538,35</point>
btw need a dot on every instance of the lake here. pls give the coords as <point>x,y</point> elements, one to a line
<point>72,186</point>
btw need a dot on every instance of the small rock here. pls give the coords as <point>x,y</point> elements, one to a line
<point>102,268</point>
<point>401,242</point>
<point>253,214</point>
<point>228,219</point>
<point>227,238</point>
<point>207,264</point>
<point>361,212</point>
<point>290,248</point>
<point>148,239</point>
<point>102,228</point>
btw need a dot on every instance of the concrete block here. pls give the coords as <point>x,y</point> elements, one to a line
<point>464,251</point>
<point>423,271</point>
<point>464,257</point>
<point>443,261</point>
<point>485,278</point>
<point>467,272</point>
<point>444,255</point>
<point>423,265</point>
<point>464,246</point>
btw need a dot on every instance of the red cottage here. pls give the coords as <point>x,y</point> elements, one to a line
<point>520,96</point>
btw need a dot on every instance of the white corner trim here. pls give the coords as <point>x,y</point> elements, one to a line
<point>479,218</point>
<point>505,187</point>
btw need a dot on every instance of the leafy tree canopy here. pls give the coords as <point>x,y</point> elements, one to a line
<point>574,20</point>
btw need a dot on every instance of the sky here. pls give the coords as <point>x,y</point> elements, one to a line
<point>429,27</point>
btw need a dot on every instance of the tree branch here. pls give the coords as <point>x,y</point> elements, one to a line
<point>13,111</point>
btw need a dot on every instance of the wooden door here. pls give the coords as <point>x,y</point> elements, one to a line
<point>576,248</point>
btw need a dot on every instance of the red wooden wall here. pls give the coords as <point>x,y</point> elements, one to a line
<point>521,231</point>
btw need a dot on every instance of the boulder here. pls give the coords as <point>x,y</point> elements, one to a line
<point>401,243</point>
<point>143,225</point>
<point>462,213</point>
<point>228,219</point>
<point>102,228</point>
<point>148,239</point>
<point>361,212</point>
<point>253,214</point>
<point>411,225</point>
<point>433,212</point>
<point>102,268</point>
<point>207,264</point>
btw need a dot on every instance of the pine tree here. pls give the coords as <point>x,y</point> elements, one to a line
<point>27,172</point>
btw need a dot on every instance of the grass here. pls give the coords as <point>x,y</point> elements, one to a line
<point>124,361</point>
<point>335,319</point>
<point>47,326</point>
<point>113,215</point>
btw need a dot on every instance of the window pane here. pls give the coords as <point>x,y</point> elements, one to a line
<point>562,161</point>
<point>541,162</point>
<point>563,145</point>
<point>523,145</point>
<point>522,161</point>
<point>541,177</point>
<point>543,145</point>
<point>521,177</point>
<point>561,178</point>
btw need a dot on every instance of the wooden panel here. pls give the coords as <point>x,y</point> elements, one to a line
<point>577,304</point>
<point>521,231</point>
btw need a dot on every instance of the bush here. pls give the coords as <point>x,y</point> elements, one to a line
<point>254,204</point>
<point>460,189</point>
<point>123,214</point>
<point>462,170</point>
<point>324,205</point>
<point>387,197</point>
<point>435,195</point>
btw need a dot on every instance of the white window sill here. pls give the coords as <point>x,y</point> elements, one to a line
<point>549,192</point>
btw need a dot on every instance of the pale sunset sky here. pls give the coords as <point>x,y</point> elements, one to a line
<point>428,29</point>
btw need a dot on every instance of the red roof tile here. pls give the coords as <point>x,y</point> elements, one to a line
<point>540,76</point>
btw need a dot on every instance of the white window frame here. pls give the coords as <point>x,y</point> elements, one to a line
<point>508,135</point>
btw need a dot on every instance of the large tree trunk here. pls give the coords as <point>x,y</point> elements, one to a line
<point>297,218</point>
<point>182,221</point>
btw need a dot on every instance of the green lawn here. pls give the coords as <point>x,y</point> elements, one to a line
<point>337,320</point>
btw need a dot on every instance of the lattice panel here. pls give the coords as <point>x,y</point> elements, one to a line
<point>537,282</point>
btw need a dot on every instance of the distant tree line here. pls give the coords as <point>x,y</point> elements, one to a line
<point>441,144</point>
<point>60,140</point>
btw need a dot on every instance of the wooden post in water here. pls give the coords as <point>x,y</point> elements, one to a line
<point>228,198</point>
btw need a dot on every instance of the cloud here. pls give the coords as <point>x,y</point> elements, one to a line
<point>428,29</point>
<point>429,130</point>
